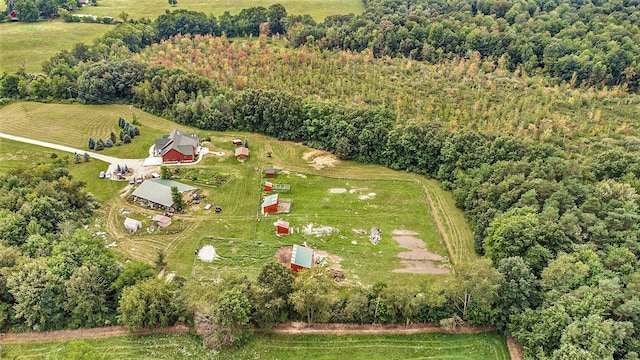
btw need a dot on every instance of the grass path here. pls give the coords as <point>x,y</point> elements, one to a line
<point>450,221</point>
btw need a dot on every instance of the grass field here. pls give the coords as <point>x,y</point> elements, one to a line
<point>243,237</point>
<point>16,154</point>
<point>487,346</point>
<point>28,45</point>
<point>127,347</point>
<point>318,9</point>
<point>72,125</point>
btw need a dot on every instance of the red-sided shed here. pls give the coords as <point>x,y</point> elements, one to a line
<point>268,187</point>
<point>282,227</point>
<point>270,173</point>
<point>301,258</point>
<point>237,142</point>
<point>270,204</point>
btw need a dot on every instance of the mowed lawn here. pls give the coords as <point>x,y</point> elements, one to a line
<point>318,9</point>
<point>488,346</point>
<point>28,45</point>
<point>372,196</point>
<point>72,125</point>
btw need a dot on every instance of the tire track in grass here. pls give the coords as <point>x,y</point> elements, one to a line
<point>450,222</point>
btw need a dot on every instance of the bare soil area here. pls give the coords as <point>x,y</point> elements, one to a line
<point>418,260</point>
<point>300,328</point>
<point>284,256</point>
<point>319,159</point>
<point>91,333</point>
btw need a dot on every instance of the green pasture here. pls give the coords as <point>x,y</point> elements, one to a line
<point>72,125</point>
<point>125,347</point>
<point>373,196</point>
<point>15,154</point>
<point>28,45</point>
<point>489,346</point>
<point>318,9</point>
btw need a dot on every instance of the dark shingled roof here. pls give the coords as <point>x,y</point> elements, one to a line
<point>183,143</point>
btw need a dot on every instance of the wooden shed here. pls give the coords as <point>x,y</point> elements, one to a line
<point>301,258</point>
<point>268,186</point>
<point>270,173</point>
<point>161,221</point>
<point>282,227</point>
<point>242,154</point>
<point>270,204</point>
<point>237,142</point>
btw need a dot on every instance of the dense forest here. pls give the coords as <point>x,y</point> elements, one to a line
<point>524,110</point>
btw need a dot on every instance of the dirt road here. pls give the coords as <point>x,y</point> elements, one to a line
<point>77,334</point>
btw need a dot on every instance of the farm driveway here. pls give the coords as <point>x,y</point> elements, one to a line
<point>138,166</point>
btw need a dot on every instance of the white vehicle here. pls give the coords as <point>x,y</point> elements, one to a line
<point>107,175</point>
<point>207,207</point>
<point>155,175</point>
<point>101,175</point>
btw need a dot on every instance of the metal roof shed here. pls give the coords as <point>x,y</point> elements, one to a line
<point>301,258</point>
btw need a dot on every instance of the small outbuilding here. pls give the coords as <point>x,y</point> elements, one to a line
<point>161,221</point>
<point>132,225</point>
<point>270,173</point>
<point>268,186</point>
<point>270,204</point>
<point>242,154</point>
<point>237,142</point>
<point>301,258</point>
<point>282,227</point>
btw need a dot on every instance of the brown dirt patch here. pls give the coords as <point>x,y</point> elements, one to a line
<point>319,159</point>
<point>418,260</point>
<point>515,350</point>
<point>91,333</point>
<point>403,232</point>
<point>299,328</point>
<point>284,255</point>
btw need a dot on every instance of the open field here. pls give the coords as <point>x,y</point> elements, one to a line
<point>16,154</point>
<point>125,347</point>
<point>30,44</point>
<point>72,125</point>
<point>318,9</point>
<point>418,346</point>
<point>415,346</point>
<point>345,196</point>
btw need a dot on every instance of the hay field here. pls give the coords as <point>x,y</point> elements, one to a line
<point>318,9</point>
<point>28,45</point>
<point>487,346</point>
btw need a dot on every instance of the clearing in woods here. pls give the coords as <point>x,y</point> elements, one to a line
<point>244,239</point>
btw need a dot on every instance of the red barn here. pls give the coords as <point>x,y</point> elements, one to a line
<point>177,147</point>
<point>270,204</point>
<point>268,187</point>
<point>282,227</point>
